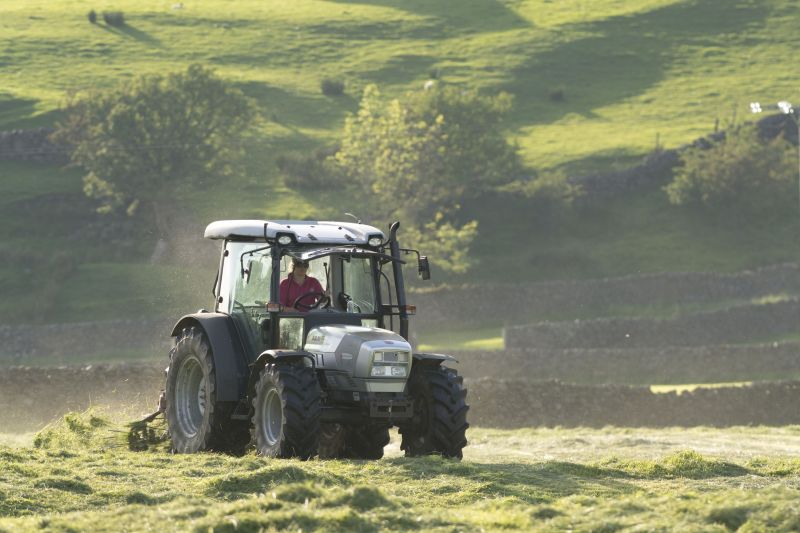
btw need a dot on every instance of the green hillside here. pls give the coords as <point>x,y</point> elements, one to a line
<point>596,86</point>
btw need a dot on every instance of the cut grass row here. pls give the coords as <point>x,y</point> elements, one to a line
<point>536,479</point>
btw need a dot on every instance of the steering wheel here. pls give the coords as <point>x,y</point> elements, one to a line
<point>323,298</point>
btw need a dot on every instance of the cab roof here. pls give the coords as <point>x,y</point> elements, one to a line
<point>304,231</point>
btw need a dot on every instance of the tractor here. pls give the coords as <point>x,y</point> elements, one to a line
<point>327,374</point>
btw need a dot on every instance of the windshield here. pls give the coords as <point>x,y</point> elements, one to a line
<point>346,279</point>
<point>358,285</point>
<point>349,280</point>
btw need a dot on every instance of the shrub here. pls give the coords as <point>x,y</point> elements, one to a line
<point>417,158</point>
<point>114,18</point>
<point>434,148</point>
<point>739,171</point>
<point>557,95</point>
<point>546,188</point>
<point>332,87</point>
<point>107,131</point>
<point>92,16</point>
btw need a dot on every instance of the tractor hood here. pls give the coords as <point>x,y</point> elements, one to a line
<point>380,356</point>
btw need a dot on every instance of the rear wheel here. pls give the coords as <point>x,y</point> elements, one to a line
<point>196,421</point>
<point>287,412</point>
<point>365,442</point>
<point>331,441</point>
<point>440,423</point>
<point>340,441</point>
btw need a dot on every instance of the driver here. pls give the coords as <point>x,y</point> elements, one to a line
<point>297,284</point>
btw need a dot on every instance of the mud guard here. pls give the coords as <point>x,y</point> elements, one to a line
<point>230,360</point>
<point>433,359</point>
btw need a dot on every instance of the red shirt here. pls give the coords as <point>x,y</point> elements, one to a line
<point>291,290</point>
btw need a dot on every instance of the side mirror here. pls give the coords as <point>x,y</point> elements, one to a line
<point>424,267</point>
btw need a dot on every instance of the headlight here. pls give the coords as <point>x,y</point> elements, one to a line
<point>390,364</point>
<point>375,241</point>
<point>389,371</point>
<point>390,357</point>
<point>284,240</point>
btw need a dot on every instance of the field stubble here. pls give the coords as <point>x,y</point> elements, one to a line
<point>79,476</point>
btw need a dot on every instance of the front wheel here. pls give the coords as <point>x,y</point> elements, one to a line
<point>286,412</point>
<point>440,423</point>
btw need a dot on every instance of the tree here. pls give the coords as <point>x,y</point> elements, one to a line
<point>139,142</point>
<point>419,157</point>
<point>739,172</point>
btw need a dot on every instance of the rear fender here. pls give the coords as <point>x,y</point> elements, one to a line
<point>230,361</point>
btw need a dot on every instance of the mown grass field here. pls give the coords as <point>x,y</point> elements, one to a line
<point>613,479</point>
<point>631,74</point>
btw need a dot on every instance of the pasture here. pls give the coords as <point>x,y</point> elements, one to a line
<point>79,476</point>
<point>597,86</point>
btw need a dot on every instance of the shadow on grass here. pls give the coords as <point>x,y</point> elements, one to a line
<point>401,69</point>
<point>622,57</point>
<point>20,113</point>
<point>491,16</point>
<point>129,31</point>
<point>296,110</point>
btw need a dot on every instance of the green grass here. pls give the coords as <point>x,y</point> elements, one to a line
<point>689,387</point>
<point>486,338</point>
<point>631,73</point>
<point>699,479</point>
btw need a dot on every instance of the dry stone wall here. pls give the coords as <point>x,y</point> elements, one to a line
<point>522,403</point>
<point>31,145</point>
<point>473,305</point>
<point>31,397</point>
<point>27,343</point>
<point>732,325</point>
<point>695,364</point>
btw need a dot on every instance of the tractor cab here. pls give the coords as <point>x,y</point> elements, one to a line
<point>359,280</point>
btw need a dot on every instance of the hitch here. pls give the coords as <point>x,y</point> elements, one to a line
<point>142,434</point>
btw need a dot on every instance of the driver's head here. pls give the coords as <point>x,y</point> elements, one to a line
<point>298,264</point>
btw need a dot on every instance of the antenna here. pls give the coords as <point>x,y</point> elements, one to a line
<point>358,220</point>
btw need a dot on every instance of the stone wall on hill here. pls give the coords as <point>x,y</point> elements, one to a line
<point>31,397</point>
<point>473,305</point>
<point>31,145</point>
<point>728,326</point>
<point>671,364</point>
<point>521,403</point>
<point>26,343</point>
